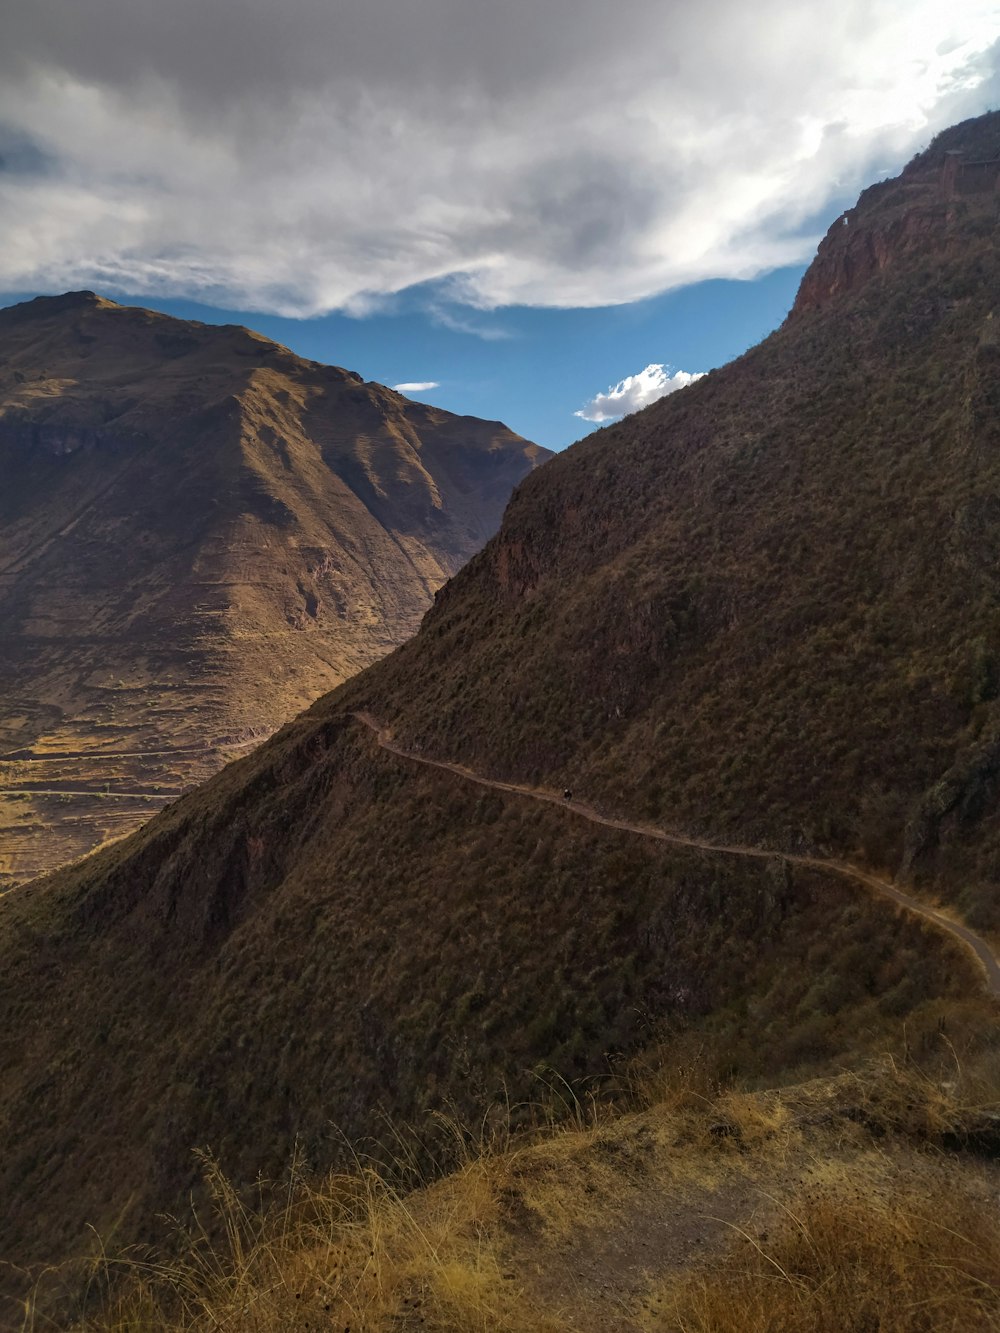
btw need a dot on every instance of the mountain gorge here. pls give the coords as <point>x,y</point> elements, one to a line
<point>200,533</point>
<point>763,612</point>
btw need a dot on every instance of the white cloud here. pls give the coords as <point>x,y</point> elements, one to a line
<point>636,391</point>
<point>417,386</point>
<point>311,156</point>
<point>479,325</point>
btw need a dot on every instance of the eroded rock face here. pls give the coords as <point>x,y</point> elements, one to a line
<point>58,439</point>
<point>861,244</point>
<point>917,211</point>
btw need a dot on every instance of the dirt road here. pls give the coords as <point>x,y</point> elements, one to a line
<point>972,942</point>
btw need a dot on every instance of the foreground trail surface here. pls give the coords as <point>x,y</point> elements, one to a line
<point>968,938</point>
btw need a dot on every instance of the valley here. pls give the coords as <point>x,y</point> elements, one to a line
<point>620,948</point>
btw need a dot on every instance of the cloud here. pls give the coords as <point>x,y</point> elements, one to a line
<point>417,386</point>
<point>635,392</point>
<point>477,324</point>
<point>311,156</point>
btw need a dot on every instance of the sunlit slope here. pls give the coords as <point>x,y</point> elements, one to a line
<point>200,533</point>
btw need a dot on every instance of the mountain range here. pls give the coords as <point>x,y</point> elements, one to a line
<point>761,617</point>
<point>200,533</point>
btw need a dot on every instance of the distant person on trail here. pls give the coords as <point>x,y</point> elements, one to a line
<point>567,795</point>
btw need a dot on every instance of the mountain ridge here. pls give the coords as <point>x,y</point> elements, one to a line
<point>223,529</point>
<point>926,205</point>
<point>725,491</point>
<point>763,611</point>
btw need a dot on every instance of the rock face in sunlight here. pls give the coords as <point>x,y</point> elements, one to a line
<point>200,533</point>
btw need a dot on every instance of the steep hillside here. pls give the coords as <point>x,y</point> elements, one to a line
<point>762,612</point>
<point>200,533</point>
<point>768,607</point>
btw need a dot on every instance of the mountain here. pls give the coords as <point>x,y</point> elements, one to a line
<point>200,533</point>
<point>761,615</point>
<point>771,604</point>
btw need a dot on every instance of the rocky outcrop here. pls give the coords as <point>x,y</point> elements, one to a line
<point>56,438</point>
<point>916,211</point>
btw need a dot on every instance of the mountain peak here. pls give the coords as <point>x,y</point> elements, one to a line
<point>975,140</point>
<point>201,517</point>
<point>43,306</point>
<point>953,183</point>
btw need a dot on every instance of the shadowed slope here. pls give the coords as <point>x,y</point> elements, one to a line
<point>767,609</point>
<point>322,936</point>
<point>976,945</point>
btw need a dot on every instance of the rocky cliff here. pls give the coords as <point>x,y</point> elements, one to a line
<point>951,186</point>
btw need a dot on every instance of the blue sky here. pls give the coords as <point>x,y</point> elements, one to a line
<point>522,204</point>
<point>536,367</point>
<point>548,363</point>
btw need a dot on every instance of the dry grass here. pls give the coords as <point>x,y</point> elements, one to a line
<point>900,1237</point>
<point>354,1253</point>
<point>825,1206</point>
<point>896,1249</point>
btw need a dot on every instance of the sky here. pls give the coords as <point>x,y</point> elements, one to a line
<point>544,213</point>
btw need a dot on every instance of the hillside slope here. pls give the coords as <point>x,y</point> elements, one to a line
<point>852,1202</point>
<point>200,533</point>
<point>764,609</point>
<point>768,607</point>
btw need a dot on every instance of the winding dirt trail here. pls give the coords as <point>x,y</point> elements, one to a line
<point>972,942</point>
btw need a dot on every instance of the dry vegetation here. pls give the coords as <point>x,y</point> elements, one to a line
<point>833,1205</point>
<point>901,1248</point>
<point>298,1008</point>
<point>765,609</point>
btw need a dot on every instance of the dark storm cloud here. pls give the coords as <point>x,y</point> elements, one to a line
<point>312,155</point>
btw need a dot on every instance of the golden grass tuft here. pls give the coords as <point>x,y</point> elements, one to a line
<point>352,1253</point>
<point>894,1248</point>
<point>828,1205</point>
